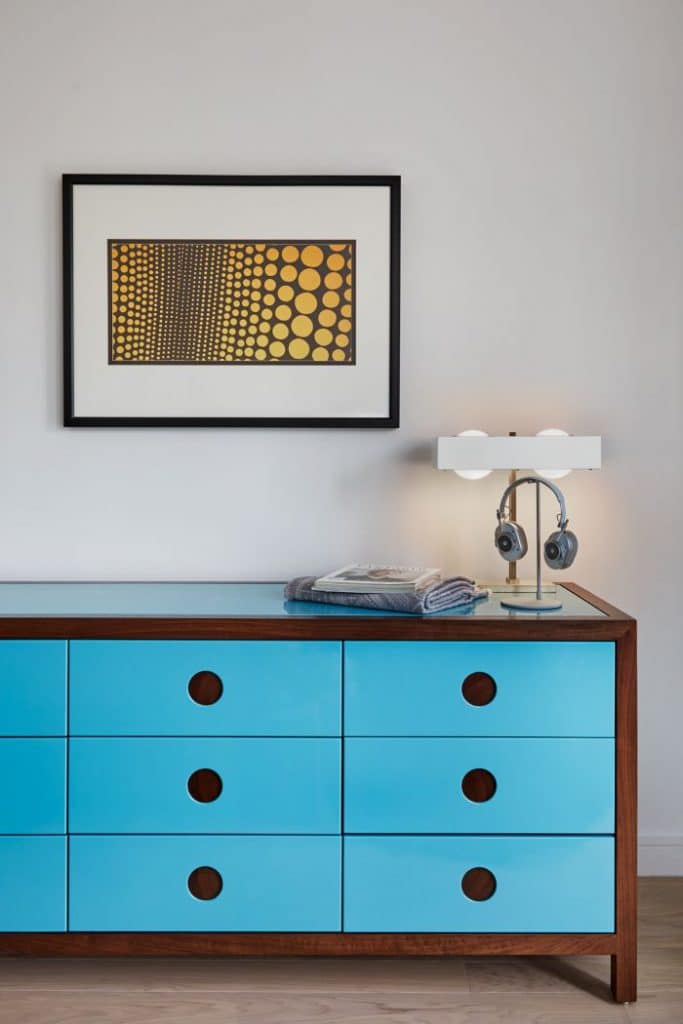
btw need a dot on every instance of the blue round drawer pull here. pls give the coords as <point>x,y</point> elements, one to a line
<point>479,785</point>
<point>205,785</point>
<point>205,687</point>
<point>205,883</point>
<point>479,689</point>
<point>479,884</point>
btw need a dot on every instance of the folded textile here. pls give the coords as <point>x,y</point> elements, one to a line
<point>455,592</point>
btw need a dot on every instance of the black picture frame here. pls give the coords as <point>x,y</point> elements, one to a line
<point>391,182</point>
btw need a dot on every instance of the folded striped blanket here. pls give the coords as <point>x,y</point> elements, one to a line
<point>455,592</point>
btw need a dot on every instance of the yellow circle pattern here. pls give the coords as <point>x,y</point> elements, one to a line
<point>231,292</point>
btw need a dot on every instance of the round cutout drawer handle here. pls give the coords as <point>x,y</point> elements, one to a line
<point>205,785</point>
<point>478,884</point>
<point>479,689</point>
<point>479,785</point>
<point>205,687</point>
<point>205,883</point>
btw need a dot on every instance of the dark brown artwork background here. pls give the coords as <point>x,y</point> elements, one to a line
<point>232,302</point>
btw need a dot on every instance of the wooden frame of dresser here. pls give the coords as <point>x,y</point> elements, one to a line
<point>620,945</point>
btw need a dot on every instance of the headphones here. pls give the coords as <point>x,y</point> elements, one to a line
<point>561,546</point>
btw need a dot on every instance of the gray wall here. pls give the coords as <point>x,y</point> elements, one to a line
<point>541,152</point>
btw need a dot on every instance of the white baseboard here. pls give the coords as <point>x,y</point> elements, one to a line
<point>660,855</point>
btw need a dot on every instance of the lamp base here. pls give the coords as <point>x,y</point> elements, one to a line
<point>531,604</point>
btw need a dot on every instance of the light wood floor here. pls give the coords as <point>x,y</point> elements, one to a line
<point>463,991</point>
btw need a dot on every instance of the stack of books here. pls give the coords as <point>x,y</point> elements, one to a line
<point>377,579</point>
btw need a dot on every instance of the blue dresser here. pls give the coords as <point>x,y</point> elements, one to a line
<point>199,768</point>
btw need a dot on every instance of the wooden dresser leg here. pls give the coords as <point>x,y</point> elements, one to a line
<point>623,976</point>
<point>624,969</point>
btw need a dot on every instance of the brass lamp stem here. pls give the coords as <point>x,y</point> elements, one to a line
<point>512,570</point>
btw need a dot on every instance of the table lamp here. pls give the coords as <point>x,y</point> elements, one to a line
<point>472,455</point>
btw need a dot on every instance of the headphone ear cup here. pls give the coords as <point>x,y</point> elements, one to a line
<point>559,551</point>
<point>510,539</point>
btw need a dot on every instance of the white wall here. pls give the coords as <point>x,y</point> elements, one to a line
<point>541,151</point>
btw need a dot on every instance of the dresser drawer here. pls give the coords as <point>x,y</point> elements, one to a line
<point>197,688</point>
<point>32,688</point>
<point>205,785</point>
<point>32,794</point>
<point>32,883</point>
<point>266,883</point>
<point>479,785</point>
<point>479,689</point>
<point>415,884</point>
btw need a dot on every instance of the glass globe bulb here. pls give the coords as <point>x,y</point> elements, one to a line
<point>552,474</point>
<point>473,474</point>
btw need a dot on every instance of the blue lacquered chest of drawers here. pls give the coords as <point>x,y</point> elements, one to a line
<point>202,769</point>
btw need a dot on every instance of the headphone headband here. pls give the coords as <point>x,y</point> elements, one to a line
<point>534,480</point>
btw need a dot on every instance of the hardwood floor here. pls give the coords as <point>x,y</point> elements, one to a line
<point>471,990</point>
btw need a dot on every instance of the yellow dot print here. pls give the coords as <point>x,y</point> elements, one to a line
<point>327,317</point>
<point>320,355</point>
<point>277,349</point>
<point>290,253</point>
<point>305,302</point>
<point>262,340</point>
<point>348,294</point>
<point>335,261</point>
<point>309,279</point>
<point>288,273</point>
<point>286,293</point>
<point>302,325</point>
<point>270,285</point>
<point>323,336</point>
<point>280,331</point>
<point>338,355</point>
<point>283,312</point>
<point>341,340</point>
<point>272,254</point>
<point>330,299</point>
<point>298,348</point>
<point>271,269</point>
<point>312,256</point>
<point>261,354</point>
<point>345,326</point>
<point>333,280</point>
<point>346,310</point>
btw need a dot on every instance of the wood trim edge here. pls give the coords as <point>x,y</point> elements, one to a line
<point>302,944</point>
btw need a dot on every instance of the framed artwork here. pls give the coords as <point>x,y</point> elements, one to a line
<point>231,301</point>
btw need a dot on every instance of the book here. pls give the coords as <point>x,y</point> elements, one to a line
<point>377,579</point>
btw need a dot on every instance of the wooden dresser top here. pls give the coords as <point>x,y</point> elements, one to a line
<point>258,611</point>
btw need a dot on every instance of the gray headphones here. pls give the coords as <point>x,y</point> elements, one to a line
<point>561,546</point>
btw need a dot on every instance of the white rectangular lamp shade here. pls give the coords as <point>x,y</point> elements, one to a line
<point>560,451</point>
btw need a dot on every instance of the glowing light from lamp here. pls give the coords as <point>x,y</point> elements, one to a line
<point>473,474</point>
<point>552,474</point>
